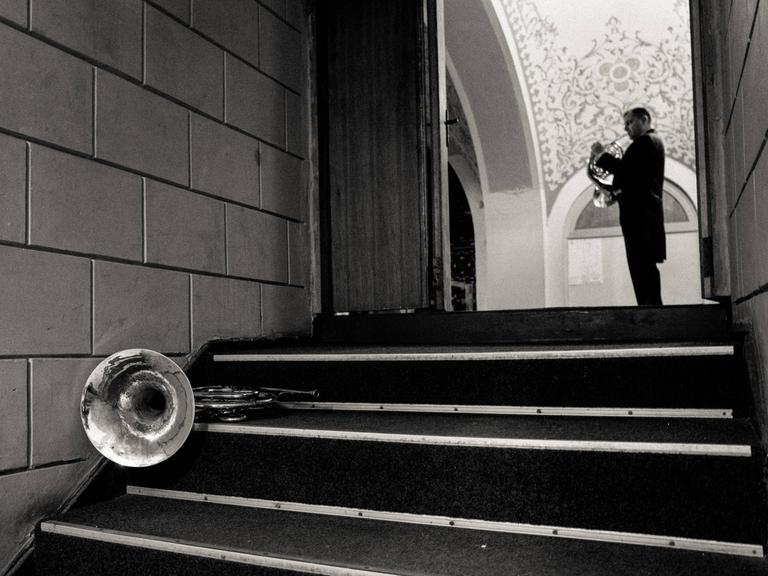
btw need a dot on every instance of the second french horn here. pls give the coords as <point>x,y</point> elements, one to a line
<point>605,192</point>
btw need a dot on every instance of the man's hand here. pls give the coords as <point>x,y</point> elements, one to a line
<point>597,149</point>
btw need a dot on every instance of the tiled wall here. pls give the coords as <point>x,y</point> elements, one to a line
<point>746,121</point>
<point>152,194</point>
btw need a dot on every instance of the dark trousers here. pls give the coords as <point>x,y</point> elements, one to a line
<point>645,275</point>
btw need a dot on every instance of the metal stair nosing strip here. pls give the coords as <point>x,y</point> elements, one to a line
<point>188,548</point>
<point>540,354</point>
<point>595,535</point>
<point>731,450</point>
<point>487,409</point>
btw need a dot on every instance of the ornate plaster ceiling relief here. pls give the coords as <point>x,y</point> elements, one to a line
<point>586,62</point>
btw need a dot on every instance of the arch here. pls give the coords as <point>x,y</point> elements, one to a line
<point>487,74</point>
<point>473,191</point>
<point>679,178</point>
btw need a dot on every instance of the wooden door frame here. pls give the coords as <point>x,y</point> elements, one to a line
<point>438,227</point>
<point>707,50</point>
<point>436,239</point>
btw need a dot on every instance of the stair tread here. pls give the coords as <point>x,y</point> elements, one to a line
<point>270,348</point>
<point>596,429</point>
<point>636,381</point>
<point>392,547</point>
<point>683,495</point>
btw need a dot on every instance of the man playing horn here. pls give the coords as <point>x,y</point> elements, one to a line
<point>639,173</point>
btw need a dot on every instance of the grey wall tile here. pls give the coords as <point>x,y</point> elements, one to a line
<point>184,229</point>
<point>108,32</point>
<point>296,137</point>
<point>44,303</point>
<point>232,23</point>
<point>224,308</point>
<point>141,130</point>
<point>298,246</point>
<point>138,307</point>
<point>45,93</point>
<point>255,103</point>
<point>28,497</point>
<point>257,245</point>
<point>179,8</point>
<point>282,183</point>
<point>281,51</point>
<point>180,361</point>
<point>13,414</point>
<point>755,85</point>
<point>761,215</point>
<point>14,10</point>
<point>285,311</point>
<point>183,64</point>
<point>57,432</point>
<point>277,6</point>
<point>13,189</point>
<point>294,13</point>
<point>83,206</point>
<point>224,162</point>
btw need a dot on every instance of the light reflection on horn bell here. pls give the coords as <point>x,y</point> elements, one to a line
<point>137,407</point>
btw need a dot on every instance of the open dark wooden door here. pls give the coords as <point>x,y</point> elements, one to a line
<point>380,94</point>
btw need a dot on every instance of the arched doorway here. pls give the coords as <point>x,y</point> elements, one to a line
<point>463,268</point>
<point>597,273</point>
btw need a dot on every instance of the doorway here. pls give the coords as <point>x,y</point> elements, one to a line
<point>538,81</point>
<point>534,83</point>
<point>462,233</point>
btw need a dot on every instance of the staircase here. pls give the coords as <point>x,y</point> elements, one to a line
<point>609,442</point>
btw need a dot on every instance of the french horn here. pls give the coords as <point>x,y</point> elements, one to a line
<point>138,406</point>
<point>605,193</point>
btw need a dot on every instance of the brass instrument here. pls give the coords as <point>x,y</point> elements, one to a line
<point>605,192</point>
<point>138,406</point>
<point>234,404</point>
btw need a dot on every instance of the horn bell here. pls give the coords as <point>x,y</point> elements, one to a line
<point>137,407</point>
<point>605,191</point>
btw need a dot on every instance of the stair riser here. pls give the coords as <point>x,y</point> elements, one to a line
<point>571,325</point>
<point>684,496</point>
<point>57,555</point>
<point>700,382</point>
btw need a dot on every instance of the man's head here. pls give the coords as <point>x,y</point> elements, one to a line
<point>637,122</point>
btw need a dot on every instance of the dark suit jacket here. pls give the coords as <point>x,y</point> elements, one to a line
<point>640,175</point>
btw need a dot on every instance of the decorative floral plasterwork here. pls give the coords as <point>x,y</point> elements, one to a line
<point>577,99</point>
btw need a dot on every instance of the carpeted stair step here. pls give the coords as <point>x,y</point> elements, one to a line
<point>697,375</point>
<point>673,478</point>
<point>613,324</point>
<point>152,536</point>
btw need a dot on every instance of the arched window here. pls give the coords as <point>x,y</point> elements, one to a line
<point>592,222</point>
